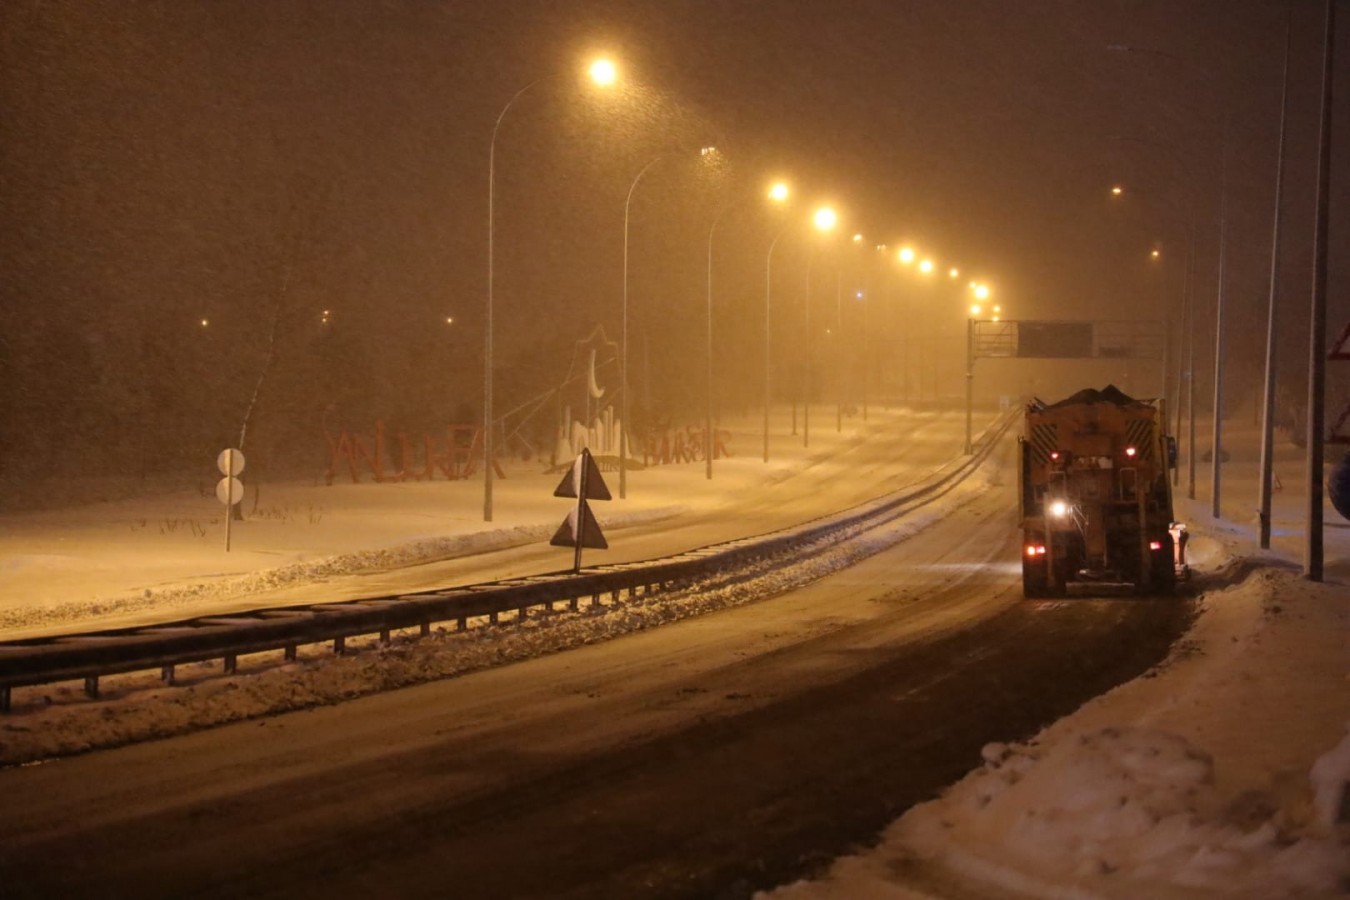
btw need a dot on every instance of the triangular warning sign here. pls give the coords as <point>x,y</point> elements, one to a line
<point>1341,349</point>
<point>566,535</point>
<point>584,471</point>
<point>1338,434</point>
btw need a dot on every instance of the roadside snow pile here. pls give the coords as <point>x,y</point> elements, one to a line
<point>1224,773</point>
<point>1132,812</point>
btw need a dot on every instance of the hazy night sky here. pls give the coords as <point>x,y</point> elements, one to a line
<point>245,162</point>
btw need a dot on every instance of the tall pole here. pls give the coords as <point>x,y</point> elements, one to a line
<point>1216,461</point>
<point>1185,336</point>
<point>768,305</point>
<point>970,382</point>
<point>487,351</point>
<point>708,442</point>
<point>1317,337</point>
<point>625,422</point>
<point>810,356</point>
<point>1268,404</point>
<point>839,342</point>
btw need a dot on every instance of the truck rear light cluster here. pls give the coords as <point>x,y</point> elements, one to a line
<point>1155,545</point>
<point>1130,452</point>
<point>1035,549</point>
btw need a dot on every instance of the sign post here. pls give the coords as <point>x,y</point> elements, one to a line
<point>580,529</point>
<point>229,490</point>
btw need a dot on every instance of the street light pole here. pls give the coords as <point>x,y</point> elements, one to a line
<point>625,423</point>
<point>1317,327</point>
<point>1216,460</point>
<point>768,304</point>
<point>602,72</point>
<point>1272,323</point>
<point>488,341</point>
<point>839,342</point>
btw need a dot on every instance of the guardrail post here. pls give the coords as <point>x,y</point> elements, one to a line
<point>573,603</point>
<point>91,686</point>
<point>231,663</point>
<point>4,698</point>
<point>384,635</point>
<point>166,674</point>
<point>462,623</point>
<point>289,653</point>
<point>426,629</point>
<point>339,645</point>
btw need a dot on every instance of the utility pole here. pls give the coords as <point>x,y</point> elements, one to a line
<point>1317,331</point>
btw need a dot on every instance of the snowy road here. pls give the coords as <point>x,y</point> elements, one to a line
<point>726,751</point>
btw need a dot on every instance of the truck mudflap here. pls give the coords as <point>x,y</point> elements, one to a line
<point>1179,538</point>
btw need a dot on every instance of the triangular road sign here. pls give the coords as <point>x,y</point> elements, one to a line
<point>566,535</point>
<point>1341,349</point>
<point>585,472</point>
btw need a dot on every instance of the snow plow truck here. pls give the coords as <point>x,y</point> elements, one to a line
<point>1096,501</point>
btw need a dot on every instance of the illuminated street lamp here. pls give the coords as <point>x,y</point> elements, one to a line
<point>824,221</point>
<point>981,292</point>
<point>602,72</point>
<point>778,193</point>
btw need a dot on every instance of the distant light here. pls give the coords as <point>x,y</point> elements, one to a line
<point>1130,452</point>
<point>906,255</point>
<point>1117,190</point>
<point>825,218</point>
<point>449,320</point>
<point>1155,545</point>
<point>998,308</point>
<point>779,192</point>
<point>981,292</point>
<point>1059,509</point>
<point>975,309</point>
<point>857,239</point>
<point>995,318</point>
<point>881,247</point>
<point>926,267</point>
<point>707,151</point>
<point>953,273</point>
<point>205,322</point>
<point>858,295</point>
<point>1155,253</point>
<point>603,72</point>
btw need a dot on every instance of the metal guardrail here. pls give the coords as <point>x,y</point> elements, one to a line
<point>92,655</point>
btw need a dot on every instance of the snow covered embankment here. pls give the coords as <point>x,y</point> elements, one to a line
<point>1222,773</point>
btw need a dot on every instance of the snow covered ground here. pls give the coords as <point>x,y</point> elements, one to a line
<point>129,560</point>
<point>1220,774</point>
<point>1223,773</point>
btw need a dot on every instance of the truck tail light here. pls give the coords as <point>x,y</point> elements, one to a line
<point>1035,549</point>
<point>1130,452</point>
<point>1155,545</point>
